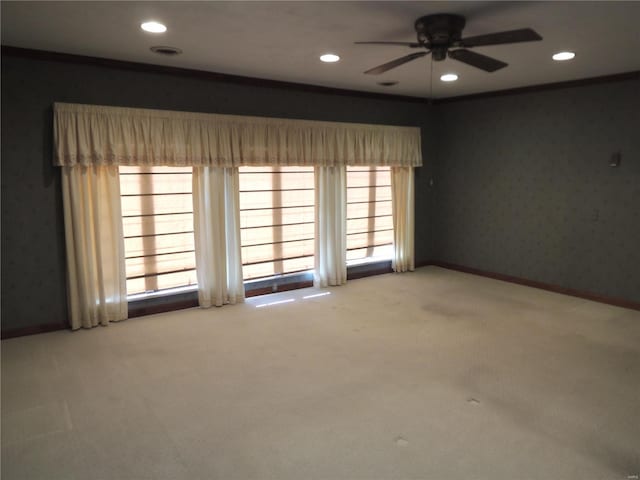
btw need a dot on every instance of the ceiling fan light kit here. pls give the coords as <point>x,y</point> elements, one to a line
<point>441,36</point>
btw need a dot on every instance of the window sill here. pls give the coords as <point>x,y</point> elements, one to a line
<point>161,293</point>
<point>187,297</point>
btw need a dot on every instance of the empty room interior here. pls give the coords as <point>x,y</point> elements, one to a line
<point>328,240</point>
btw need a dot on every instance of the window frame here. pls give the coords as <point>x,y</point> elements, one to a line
<point>175,298</point>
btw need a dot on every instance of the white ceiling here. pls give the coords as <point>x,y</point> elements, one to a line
<point>283,40</point>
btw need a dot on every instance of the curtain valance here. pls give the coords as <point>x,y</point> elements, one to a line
<point>100,135</point>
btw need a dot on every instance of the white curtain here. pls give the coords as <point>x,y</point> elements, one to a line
<point>402,199</point>
<point>95,246</point>
<point>90,141</point>
<point>331,226</point>
<point>216,219</point>
<point>95,134</point>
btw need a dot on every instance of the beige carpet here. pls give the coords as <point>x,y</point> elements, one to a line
<point>429,375</point>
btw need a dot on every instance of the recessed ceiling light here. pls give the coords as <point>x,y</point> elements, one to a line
<point>449,77</point>
<point>153,27</point>
<point>560,56</point>
<point>329,57</point>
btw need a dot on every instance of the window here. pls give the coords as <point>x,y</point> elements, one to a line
<point>157,220</point>
<point>277,209</point>
<point>369,216</point>
<point>277,222</point>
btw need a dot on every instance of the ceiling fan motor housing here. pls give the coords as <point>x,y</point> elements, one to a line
<point>439,32</point>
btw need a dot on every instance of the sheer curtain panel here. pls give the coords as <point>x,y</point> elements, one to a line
<point>95,246</point>
<point>331,226</point>
<point>216,219</point>
<point>402,200</point>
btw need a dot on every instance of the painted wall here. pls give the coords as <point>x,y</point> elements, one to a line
<point>524,188</point>
<point>522,182</point>
<point>33,257</point>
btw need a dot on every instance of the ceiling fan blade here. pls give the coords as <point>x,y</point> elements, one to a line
<point>395,63</point>
<point>405,44</point>
<point>498,38</point>
<point>477,60</point>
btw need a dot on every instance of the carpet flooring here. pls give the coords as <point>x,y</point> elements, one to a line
<point>432,374</point>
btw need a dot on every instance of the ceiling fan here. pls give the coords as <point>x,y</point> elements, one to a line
<point>441,36</point>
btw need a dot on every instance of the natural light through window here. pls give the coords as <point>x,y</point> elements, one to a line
<point>315,295</point>
<point>276,220</point>
<point>369,217</point>
<point>267,303</point>
<point>276,302</point>
<point>157,220</point>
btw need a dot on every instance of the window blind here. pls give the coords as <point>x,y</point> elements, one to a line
<point>277,223</point>
<point>369,214</point>
<point>157,220</point>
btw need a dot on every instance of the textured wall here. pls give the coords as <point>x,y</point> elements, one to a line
<point>33,258</point>
<point>523,187</point>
